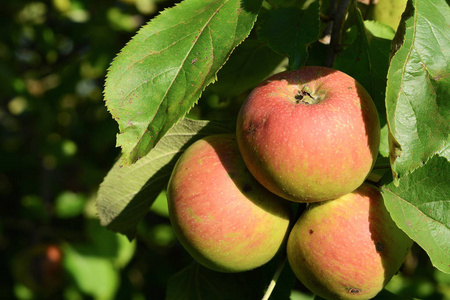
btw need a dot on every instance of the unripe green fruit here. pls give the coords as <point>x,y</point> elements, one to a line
<point>348,248</point>
<point>221,215</point>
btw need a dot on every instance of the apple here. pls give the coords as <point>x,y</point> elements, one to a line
<point>347,248</point>
<point>222,216</point>
<point>309,135</point>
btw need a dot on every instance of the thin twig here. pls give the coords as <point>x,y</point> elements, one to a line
<point>275,277</point>
<point>336,33</point>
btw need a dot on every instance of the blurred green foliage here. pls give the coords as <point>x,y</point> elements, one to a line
<point>57,144</point>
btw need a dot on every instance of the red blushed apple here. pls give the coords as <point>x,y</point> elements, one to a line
<point>309,135</point>
<point>222,216</point>
<point>347,248</point>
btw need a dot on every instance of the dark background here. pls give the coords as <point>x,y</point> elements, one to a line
<point>58,142</point>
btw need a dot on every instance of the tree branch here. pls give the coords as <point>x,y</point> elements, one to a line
<point>338,13</point>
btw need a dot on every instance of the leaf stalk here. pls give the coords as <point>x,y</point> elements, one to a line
<point>275,277</point>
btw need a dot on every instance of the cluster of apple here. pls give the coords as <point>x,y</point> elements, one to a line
<point>305,136</point>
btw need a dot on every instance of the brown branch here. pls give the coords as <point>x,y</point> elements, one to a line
<point>339,12</point>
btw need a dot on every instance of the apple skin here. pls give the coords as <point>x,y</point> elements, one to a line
<point>305,151</point>
<point>222,216</point>
<point>348,248</point>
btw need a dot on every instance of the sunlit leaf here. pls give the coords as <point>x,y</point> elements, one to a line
<point>418,93</point>
<point>420,206</point>
<point>94,275</point>
<point>159,206</point>
<point>162,71</point>
<point>379,29</point>
<point>127,192</point>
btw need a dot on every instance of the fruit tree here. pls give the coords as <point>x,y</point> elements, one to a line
<point>296,145</point>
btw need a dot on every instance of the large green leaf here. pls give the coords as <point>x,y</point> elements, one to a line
<point>160,74</point>
<point>93,274</point>
<point>420,206</point>
<point>418,93</point>
<point>290,31</point>
<point>127,192</point>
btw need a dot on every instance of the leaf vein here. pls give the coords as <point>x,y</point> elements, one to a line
<point>179,70</point>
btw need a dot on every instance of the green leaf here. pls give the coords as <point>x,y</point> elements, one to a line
<point>420,206</point>
<point>417,94</point>
<point>93,275</point>
<point>69,204</point>
<point>367,60</point>
<point>159,235</point>
<point>127,193</point>
<point>159,206</point>
<point>290,31</point>
<point>297,295</point>
<point>379,29</point>
<point>109,244</point>
<point>251,63</point>
<point>160,74</point>
<point>197,282</point>
<point>317,53</point>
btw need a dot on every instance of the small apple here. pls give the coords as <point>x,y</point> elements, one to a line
<point>222,216</point>
<point>347,248</point>
<point>309,135</point>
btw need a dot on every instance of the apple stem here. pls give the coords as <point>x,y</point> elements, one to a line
<point>275,277</point>
<point>305,96</point>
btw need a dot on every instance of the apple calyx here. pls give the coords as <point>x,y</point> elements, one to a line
<point>306,96</point>
<point>354,290</point>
